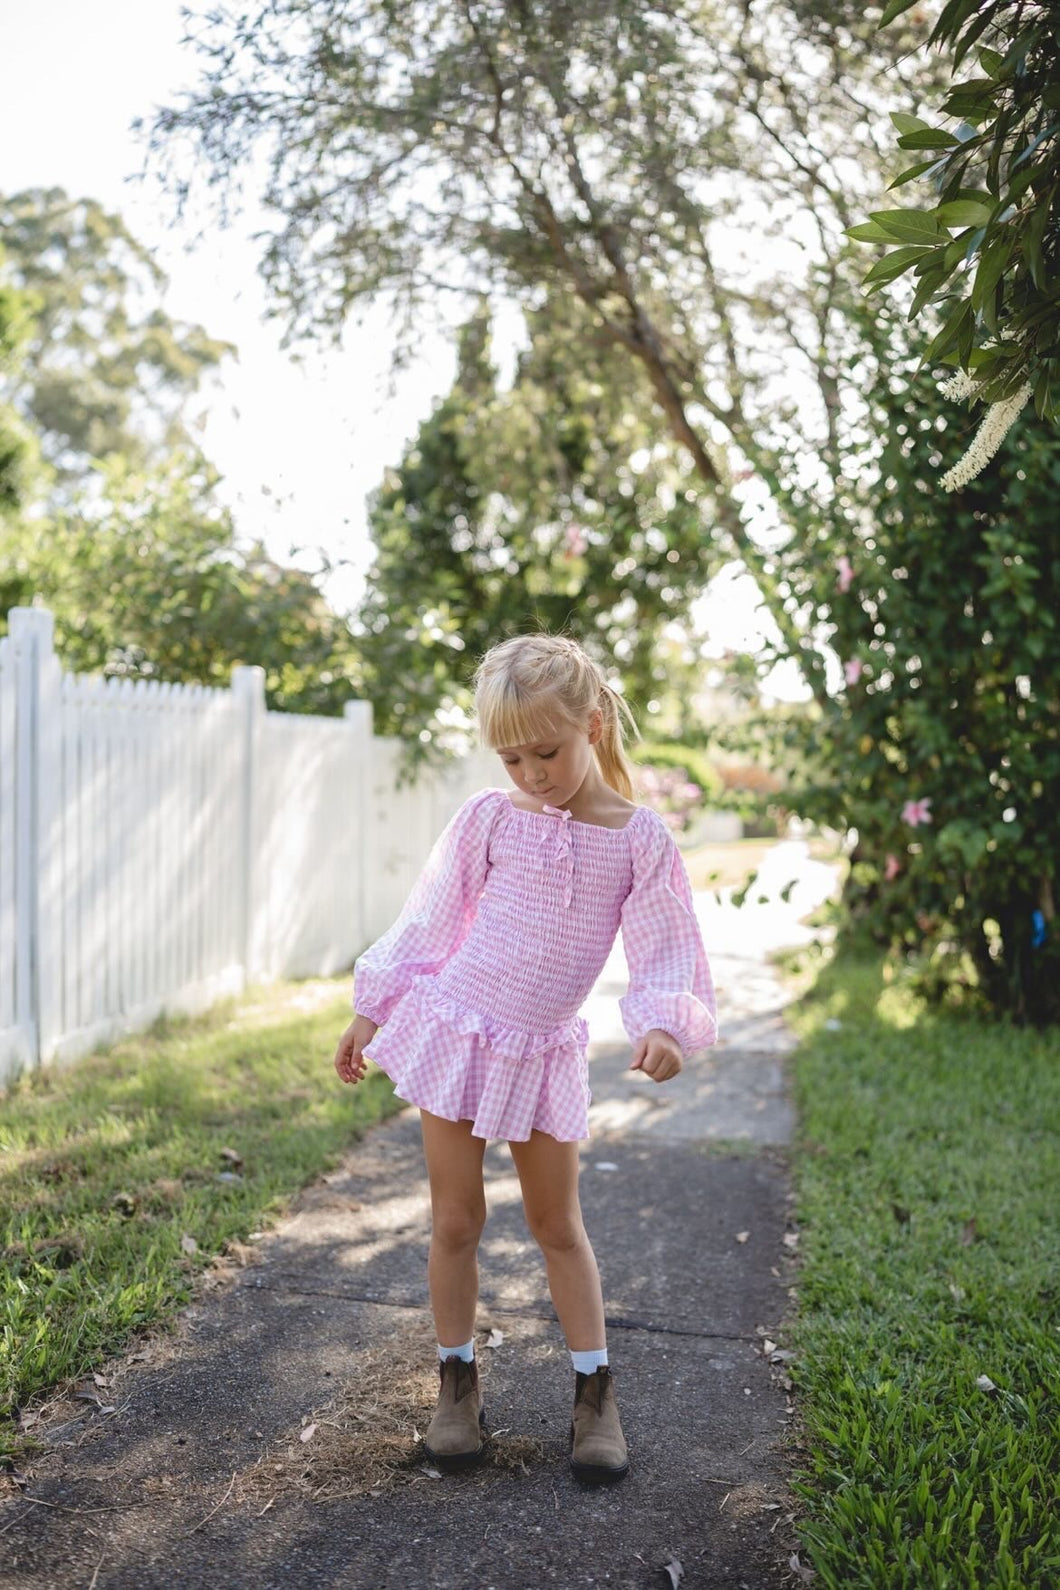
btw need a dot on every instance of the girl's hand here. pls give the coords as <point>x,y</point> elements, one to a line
<point>658,1055</point>
<point>349,1062</point>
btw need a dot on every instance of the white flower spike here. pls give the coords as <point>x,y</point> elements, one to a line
<point>995,426</point>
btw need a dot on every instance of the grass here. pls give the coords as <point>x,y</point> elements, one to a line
<point>928,1185</point>
<point>125,1174</point>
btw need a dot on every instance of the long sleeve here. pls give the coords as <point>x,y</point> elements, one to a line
<point>437,914</point>
<point>670,985</point>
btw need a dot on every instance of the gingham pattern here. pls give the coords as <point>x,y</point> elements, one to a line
<point>478,984</point>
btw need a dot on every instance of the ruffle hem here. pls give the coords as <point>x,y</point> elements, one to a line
<point>466,1067</point>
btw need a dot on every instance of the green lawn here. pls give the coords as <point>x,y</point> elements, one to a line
<point>928,1185</point>
<point>108,1165</point>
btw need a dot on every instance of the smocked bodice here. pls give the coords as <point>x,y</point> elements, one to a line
<point>547,918</point>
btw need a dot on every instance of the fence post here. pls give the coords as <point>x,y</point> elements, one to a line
<point>358,715</point>
<point>38,864</point>
<point>248,689</point>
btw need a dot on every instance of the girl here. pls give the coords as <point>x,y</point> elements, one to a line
<point>470,1004</point>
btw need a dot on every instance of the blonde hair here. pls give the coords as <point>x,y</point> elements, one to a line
<point>526,687</point>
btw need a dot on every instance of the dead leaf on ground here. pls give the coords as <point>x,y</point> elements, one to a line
<point>233,1156</point>
<point>308,1433</point>
<point>675,1570</point>
<point>495,1337</point>
<point>800,1568</point>
<point>969,1234</point>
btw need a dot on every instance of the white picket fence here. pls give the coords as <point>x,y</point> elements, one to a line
<point>162,845</point>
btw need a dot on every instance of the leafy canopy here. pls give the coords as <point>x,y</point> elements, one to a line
<point>611,152</point>
<point>109,512</point>
<point>986,251</point>
<point>104,368</point>
<point>546,505</point>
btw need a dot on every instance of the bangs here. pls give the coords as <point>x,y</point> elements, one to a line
<point>510,715</point>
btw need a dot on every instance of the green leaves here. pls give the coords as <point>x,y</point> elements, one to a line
<point>966,212</point>
<point>908,226</point>
<point>518,509</point>
<point>894,265</point>
<point>1008,144</point>
<point>952,611</point>
<point>895,9</point>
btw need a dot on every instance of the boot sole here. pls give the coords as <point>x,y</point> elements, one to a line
<point>596,1474</point>
<point>450,1462</point>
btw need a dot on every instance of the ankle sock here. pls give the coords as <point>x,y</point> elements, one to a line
<point>588,1362</point>
<point>467,1352</point>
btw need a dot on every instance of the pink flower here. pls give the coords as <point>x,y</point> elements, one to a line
<point>915,812</point>
<point>576,542</point>
<point>892,869</point>
<point>846,574</point>
<point>852,670</point>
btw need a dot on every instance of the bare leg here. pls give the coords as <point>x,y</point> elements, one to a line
<point>458,1214</point>
<point>548,1175</point>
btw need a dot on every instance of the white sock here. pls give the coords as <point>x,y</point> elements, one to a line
<point>467,1352</point>
<point>587,1363</point>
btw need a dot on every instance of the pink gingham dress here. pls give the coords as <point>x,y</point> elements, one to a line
<point>478,984</point>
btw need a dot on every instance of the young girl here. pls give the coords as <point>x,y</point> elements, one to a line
<point>470,1004</point>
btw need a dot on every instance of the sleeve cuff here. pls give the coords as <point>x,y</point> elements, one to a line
<point>691,1023</point>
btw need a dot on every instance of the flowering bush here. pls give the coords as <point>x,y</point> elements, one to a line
<point>671,792</point>
<point>942,749</point>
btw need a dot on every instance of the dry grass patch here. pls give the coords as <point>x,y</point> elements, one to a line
<point>369,1439</point>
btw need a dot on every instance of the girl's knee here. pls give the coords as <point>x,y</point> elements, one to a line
<point>557,1232</point>
<point>457,1228</point>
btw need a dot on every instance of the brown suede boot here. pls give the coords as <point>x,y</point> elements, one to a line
<point>598,1447</point>
<point>454,1435</point>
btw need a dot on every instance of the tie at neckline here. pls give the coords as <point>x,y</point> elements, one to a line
<point>564,851</point>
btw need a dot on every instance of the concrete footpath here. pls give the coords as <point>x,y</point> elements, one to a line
<point>271,1440</point>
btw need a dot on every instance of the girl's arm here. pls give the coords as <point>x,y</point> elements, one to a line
<point>671,992</point>
<point>437,914</point>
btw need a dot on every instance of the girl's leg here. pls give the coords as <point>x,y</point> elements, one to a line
<point>548,1175</point>
<point>458,1214</point>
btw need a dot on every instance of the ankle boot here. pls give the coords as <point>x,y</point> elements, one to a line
<point>454,1435</point>
<point>598,1447</point>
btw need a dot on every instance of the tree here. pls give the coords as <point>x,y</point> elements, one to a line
<point>149,583</point>
<point>104,368</point>
<point>986,248</point>
<point>546,505</point>
<point>600,151</point>
<point>941,745</point>
<point>604,153</point>
<point>119,529</point>
<point>17,452</point>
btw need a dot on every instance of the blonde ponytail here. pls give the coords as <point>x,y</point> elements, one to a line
<point>524,687</point>
<point>610,750</point>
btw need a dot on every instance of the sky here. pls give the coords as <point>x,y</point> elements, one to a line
<point>299,444</point>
